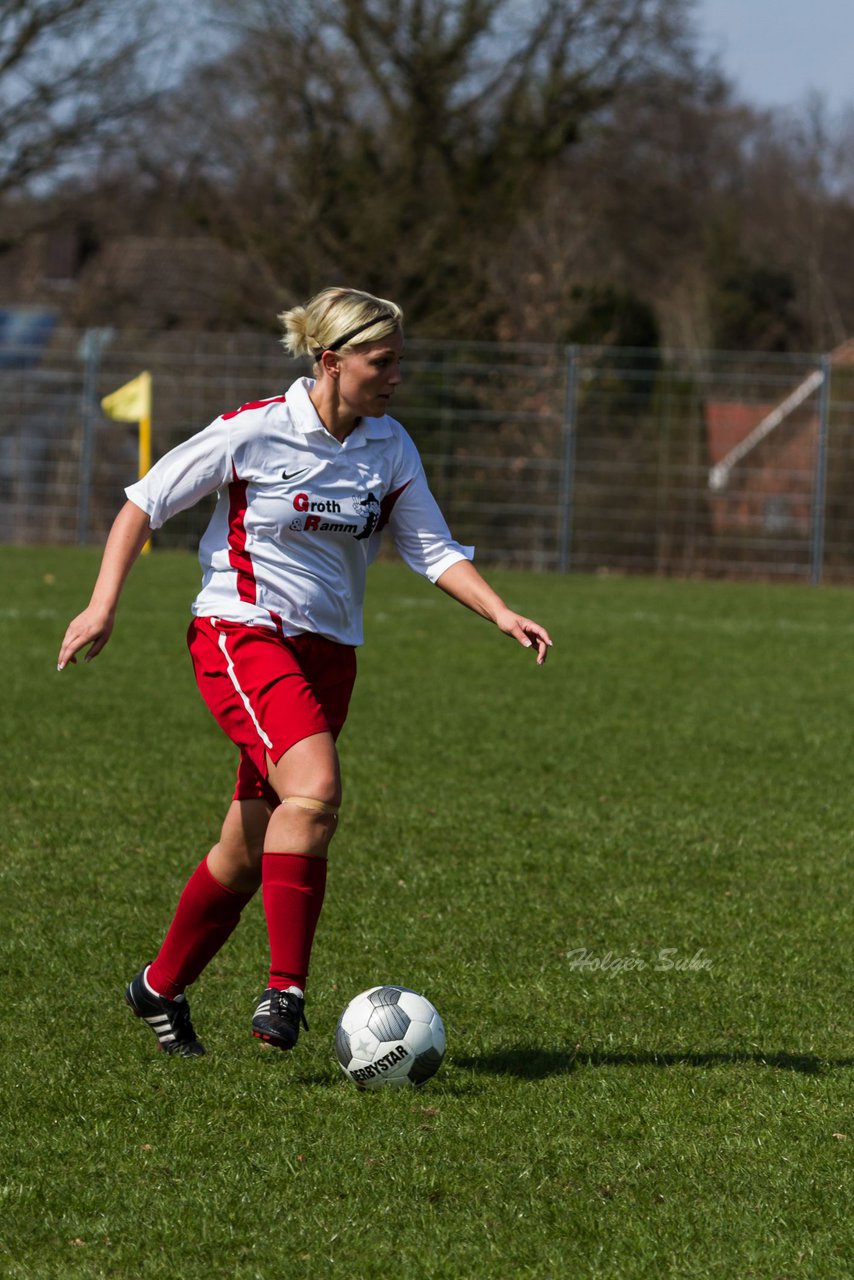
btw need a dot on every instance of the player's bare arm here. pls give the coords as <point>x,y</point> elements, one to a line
<point>463,583</point>
<point>94,625</point>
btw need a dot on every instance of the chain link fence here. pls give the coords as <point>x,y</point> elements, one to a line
<point>546,458</point>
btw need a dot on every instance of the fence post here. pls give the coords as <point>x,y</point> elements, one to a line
<point>820,482</point>
<point>91,346</point>
<point>567,475</point>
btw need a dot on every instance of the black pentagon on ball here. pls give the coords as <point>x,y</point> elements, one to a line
<point>384,995</point>
<point>425,1065</point>
<point>388,1021</point>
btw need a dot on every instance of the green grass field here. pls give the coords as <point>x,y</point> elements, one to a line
<point>624,879</point>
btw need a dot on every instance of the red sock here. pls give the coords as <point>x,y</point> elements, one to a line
<point>206,916</point>
<point>293,886</point>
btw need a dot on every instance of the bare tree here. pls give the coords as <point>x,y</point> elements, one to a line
<point>71,76</point>
<point>397,142</point>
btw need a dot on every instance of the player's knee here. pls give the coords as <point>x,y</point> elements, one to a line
<point>322,811</point>
<point>317,817</point>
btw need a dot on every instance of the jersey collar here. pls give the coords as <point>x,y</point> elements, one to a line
<point>305,419</point>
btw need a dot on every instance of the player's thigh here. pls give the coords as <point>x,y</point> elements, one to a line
<point>309,768</point>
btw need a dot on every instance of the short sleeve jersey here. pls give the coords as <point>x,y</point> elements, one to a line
<point>299,513</point>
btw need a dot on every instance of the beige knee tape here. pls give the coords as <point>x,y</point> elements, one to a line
<point>317,806</point>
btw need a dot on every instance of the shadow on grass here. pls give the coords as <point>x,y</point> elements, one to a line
<point>536,1064</point>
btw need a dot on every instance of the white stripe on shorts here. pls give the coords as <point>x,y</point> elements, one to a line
<point>232,674</point>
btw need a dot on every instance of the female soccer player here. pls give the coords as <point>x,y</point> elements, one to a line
<point>306,482</point>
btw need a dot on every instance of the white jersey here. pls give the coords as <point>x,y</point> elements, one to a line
<point>299,513</point>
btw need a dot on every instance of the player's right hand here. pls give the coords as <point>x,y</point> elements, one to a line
<point>90,627</point>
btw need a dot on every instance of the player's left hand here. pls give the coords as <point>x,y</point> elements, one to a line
<point>529,634</point>
<point>93,627</point>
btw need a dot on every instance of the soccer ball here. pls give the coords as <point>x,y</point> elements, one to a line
<point>389,1037</point>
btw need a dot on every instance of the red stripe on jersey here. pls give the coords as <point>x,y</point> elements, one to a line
<point>387,505</point>
<point>253,404</point>
<point>238,557</point>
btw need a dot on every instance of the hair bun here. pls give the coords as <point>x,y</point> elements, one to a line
<point>335,316</point>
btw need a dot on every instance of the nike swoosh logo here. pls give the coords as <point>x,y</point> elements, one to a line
<point>292,475</point>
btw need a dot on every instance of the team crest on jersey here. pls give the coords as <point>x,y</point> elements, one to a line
<point>328,515</point>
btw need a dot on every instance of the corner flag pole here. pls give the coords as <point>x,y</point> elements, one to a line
<point>132,403</point>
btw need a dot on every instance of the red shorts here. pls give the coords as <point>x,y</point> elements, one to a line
<point>268,691</point>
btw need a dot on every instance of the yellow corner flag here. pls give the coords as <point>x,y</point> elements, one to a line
<point>132,403</point>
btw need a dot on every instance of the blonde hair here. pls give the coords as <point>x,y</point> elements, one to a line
<point>337,319</point>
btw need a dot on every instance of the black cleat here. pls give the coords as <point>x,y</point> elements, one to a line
<point>168,1019</point>
<point>277,1018</point>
